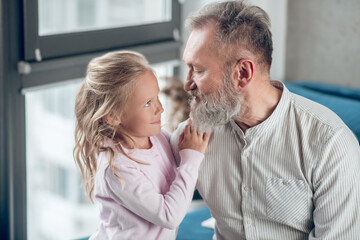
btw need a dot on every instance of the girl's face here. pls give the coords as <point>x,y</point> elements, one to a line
<point>142,115</point>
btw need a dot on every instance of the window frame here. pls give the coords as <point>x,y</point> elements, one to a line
<point>68,44</point>
<point>62,69</point>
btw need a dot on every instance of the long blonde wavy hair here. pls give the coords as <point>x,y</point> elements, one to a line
<point>110,80</point>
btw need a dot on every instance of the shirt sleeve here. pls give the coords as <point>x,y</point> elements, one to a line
<point>140,196</point>
<point>336,188</point>
<point>174,139</point>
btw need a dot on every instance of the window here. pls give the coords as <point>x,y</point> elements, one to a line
<point>63,28</point>
<point>56,17</point>
<point>53,182</point>
<point>51,47</point>
<point>55,202</point>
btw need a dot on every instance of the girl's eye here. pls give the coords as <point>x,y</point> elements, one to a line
<point>147,104</point>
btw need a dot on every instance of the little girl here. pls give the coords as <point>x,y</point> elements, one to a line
<point>125,159</point>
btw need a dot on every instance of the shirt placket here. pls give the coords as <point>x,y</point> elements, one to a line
<point>247,189</point>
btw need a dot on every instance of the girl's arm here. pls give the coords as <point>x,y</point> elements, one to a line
<point>139,196</point>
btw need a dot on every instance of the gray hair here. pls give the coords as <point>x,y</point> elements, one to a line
<point>238,25</point>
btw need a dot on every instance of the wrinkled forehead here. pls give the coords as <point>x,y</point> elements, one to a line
<point>200,44</point>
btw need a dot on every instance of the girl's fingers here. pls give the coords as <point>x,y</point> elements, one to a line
<point>187,129</point>
<point>206,136</point>
<point>188,124</point>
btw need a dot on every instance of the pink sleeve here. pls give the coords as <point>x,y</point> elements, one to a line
<point>140,197</point>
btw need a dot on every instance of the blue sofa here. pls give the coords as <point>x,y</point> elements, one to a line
<point>345,102</point>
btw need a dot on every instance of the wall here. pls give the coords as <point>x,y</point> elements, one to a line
<point>277,10</point>
<point>323,41</point>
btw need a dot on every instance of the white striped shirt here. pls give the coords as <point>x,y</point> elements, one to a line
<point>294,176</point>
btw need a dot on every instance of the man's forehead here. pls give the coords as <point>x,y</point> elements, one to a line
<point>200,42</point>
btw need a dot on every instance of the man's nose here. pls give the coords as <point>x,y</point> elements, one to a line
<point>189,83</point>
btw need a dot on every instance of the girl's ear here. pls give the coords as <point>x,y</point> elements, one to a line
<point>112,119</point>
<point>243,72</point>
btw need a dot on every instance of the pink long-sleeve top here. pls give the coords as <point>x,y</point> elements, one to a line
<point>155,197</point>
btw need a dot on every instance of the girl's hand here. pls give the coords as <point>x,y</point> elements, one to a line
<point>192,139</point>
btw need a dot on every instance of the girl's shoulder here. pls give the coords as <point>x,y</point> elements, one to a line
<point>120,160</point>
<point>162,140</point>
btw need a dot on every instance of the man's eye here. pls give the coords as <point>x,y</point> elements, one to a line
<point>147,104</point>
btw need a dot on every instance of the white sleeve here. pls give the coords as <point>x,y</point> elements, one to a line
<point>336,188</point>
<point>174,139</point>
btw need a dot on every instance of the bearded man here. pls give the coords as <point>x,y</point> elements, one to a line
<point>278,166</point>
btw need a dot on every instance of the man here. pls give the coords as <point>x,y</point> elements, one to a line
<point>278,166</point>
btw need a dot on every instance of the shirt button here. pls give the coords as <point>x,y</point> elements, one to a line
<point>249,222</point>
<point>285,182</point>
<point>247,188</point>
<point>247,153</point>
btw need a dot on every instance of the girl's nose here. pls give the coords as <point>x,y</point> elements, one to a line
<point>159,108</point>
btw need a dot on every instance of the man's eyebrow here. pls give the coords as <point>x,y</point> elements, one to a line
<point>192,63</point>
<point>195,64</point>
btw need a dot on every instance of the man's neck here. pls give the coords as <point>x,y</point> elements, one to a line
<point>258,104</point>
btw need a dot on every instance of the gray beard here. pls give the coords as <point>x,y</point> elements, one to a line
<point>215,109</point>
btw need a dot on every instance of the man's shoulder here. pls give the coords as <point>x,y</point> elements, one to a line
<point>175,135</point>
<point>218,129</point>
<point>316,113</point>
<point>318,123</point>
<point>181,126</point>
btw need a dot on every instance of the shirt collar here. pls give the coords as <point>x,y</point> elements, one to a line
<point>273,119</point>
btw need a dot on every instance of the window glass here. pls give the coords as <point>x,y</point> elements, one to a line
<point>56,17</point>
<point>57,207</point>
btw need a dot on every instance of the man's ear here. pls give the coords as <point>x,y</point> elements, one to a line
<point>243,72</point>
<point>112,119</point>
